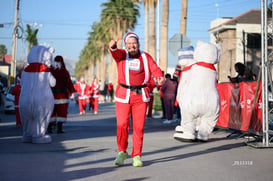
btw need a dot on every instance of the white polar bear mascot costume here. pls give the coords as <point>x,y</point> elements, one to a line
<point>200,98</point>
<point>185,60</point>
<point>36,98</point>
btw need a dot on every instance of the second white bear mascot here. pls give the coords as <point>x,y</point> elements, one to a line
<point>36,99</point>
<point>200,99</point>
<point>185,60</point>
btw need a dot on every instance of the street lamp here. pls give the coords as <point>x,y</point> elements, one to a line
<point>37,25</point>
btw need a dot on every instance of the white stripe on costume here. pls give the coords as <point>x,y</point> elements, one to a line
<point>146,68</point>
<point>127,80</point>
<point>82,88</point>
<point>61,101</point>
<point>58,119</point>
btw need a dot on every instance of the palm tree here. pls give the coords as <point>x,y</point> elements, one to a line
<point>150,46</point>
<point>164,35</point>
<point>31,36</point>
<point>102,37</point>
<point>146,21</point>
<point>123,16</point>
<point>3,50</point>
<point>152,23</point>
<point>83,63</point>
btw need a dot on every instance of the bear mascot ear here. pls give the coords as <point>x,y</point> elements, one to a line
<point>48,56</point>
<point>51,50</point>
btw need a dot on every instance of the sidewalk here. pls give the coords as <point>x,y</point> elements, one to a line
<point>88,148</point>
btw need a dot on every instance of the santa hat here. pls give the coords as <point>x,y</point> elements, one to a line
<point>178,67</point>
<point>177,70</point>
<point>60,59</point>
<point>130,35</point>
<point>176,73</point>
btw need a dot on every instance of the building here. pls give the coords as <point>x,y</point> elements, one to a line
<point>5,68</point>
<point>240,40</point>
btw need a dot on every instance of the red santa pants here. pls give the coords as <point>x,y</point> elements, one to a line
<point>137,109</point>
<point>17,114</point>
<point>89,100</point>
<point>60,112</point>
<point>82,105</point>
<point>95,103</point>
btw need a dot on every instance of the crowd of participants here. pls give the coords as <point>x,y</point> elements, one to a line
<point>90,95</point>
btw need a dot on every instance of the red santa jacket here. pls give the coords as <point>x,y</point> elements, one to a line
<point>82,90</point>
<point>64,86</point>
<point>151,85</point>
<point>95,90</point>
<point>110,87</point>
<point>144,66</point>
<point>16,92</point>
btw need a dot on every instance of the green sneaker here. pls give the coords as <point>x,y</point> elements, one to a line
<point>137,161</point>
<point>120,158</point>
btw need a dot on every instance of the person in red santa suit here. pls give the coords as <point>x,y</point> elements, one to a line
<point>62,91</point>
<point>95,87</point>
<point>16,92</point>
<point>135,69</point>
<point>110,90</point>
<point>89,96</point>
<point>82,89</point>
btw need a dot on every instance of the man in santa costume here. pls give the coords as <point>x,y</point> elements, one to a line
<point>62,91</point>
<point>95,88</point>
<point>110,89</point>
<point>82,89</point>
<point>135,69</point>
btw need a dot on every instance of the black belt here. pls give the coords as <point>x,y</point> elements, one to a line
<point>134,88</point>
<point>59,90</point>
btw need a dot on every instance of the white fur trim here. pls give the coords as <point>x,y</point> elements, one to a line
<point>144,98</point>
<point>113,49</point>
<point>129,35</point>
<point>61,101</point>
<point>58,119</point>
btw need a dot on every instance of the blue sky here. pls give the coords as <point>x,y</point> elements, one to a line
<point>64,24</point>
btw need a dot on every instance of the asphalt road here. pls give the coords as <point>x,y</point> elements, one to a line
<point>87,149</point>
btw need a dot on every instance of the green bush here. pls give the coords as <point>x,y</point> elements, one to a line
<point>157,102</point>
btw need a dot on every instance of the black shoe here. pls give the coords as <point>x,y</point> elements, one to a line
<point>60,128</point>
<point>50,127</point>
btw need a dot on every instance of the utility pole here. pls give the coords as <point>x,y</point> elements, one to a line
<point>183,20</point>
<point>14,45</point>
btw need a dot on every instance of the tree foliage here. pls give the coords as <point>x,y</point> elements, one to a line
<point>116,18</point>
<point>3,50</point>
<point>31,36</point>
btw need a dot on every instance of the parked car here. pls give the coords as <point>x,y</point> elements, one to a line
<point>9,106</point>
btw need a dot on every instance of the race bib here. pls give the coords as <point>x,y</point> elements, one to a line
<point>134,64</point>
